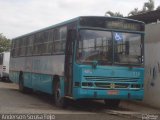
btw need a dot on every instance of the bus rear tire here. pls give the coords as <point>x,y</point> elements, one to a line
<point>21,84</point>
<point>22,88</point>
<point>59,100</point>
<point>112,103</point>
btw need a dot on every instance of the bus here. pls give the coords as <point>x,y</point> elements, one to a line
<point>88,57</point>
<point>4,65</point>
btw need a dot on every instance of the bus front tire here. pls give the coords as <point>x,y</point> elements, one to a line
<point>59,100</point>
<point>112,103</point>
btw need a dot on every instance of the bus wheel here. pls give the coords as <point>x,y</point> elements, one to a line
<point>59,100</point>
<point>22,88</point>
<point>21,83</point>
<point>111,103</point>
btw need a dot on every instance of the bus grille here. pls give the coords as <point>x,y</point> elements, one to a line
<point>111,85</point>
<point>103,78</point>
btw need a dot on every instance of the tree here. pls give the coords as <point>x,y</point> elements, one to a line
<point>116,14</point>
<point>158,8</point>
<point>133,12</point>
<point>148,6</point>
<point>4,43</point>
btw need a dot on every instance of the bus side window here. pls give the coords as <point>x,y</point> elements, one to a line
<point>127,47</point>
<point>60,39</point>
<point>16,48</point>
<point>23,46</point>
<point>37,42</point>
<point>57,41</point>
<point>29,45</point>
<point>40,43</point>
<point>63,37</point>
<point>13,48</point>
<point>48,41</point>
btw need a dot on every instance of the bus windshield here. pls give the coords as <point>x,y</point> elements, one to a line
<point>127,48</point>
<point>108,47</point>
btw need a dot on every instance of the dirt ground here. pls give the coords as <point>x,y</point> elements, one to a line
<point>14,102</point>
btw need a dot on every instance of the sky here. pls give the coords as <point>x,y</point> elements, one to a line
<point>18,17</point>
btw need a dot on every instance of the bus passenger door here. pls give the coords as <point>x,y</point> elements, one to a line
<point>69,62</point>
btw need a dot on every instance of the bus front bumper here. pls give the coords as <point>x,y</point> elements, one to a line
<point>128,94</point>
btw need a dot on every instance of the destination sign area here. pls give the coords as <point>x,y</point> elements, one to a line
<point>111,23</point>
<point>122,25</point>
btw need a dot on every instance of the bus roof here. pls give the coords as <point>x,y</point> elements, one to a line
<point>50,27</point>
<point>73,20</point>
<point>122,18</point>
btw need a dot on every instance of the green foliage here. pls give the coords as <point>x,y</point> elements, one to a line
<point>116,14</point>
<point>4,43</point>
<point>148,6</point>
<point>158,8</point>
<point>133,12</point>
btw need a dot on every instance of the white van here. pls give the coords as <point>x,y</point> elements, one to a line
<point>4,65</point>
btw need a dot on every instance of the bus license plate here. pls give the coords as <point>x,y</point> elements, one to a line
<point>113,92</point>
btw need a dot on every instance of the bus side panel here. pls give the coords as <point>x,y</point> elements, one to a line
<point>27,76</point>
<point>43,69</point>
<point>27,72</point>
<point>42,82</point>
<point>46,83</point>
<point>16,65</point>
<point>14,76</point>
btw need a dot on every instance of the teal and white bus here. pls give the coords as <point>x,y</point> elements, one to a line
<point>89,57</point>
